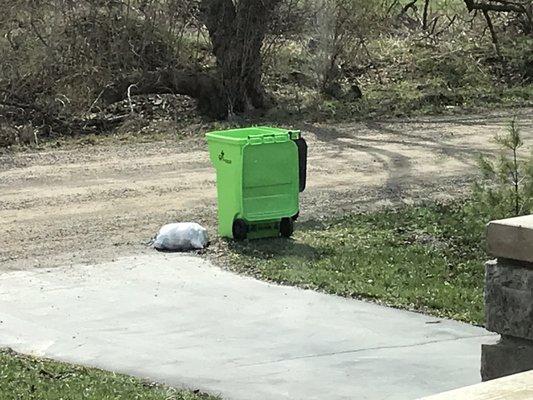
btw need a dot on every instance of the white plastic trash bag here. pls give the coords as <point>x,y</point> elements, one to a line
<point>181,236</point>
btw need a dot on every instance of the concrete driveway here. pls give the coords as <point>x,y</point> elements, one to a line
<point>182,321</point>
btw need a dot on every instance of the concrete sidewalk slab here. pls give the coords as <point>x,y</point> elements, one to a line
<point>180,320</point>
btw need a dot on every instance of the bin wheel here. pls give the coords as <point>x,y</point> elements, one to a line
<point>286,227</point>
<point>239,229</point>
<point>295,216</point>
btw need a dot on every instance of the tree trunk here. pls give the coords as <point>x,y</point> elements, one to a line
<point>237,30</point>
<point>201,86</point>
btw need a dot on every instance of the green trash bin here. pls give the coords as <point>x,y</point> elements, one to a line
<point>260,172</point>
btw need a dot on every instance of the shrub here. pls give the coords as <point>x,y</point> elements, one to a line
<point>507,186</point>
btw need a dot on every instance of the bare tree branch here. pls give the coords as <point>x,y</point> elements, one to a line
<point>495,5</point>
<point>425,15</point>
<point>495,41</point>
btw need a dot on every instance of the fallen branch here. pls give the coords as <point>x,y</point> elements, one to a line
<point>203,87</point>
<point>497,5</point>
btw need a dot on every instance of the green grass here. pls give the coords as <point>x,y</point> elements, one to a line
<point>425,258</point>
<point>28,378</point>
<point>411,76</point>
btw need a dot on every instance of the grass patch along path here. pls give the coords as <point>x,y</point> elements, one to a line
<point>428,259</point>
<point>29,378</point>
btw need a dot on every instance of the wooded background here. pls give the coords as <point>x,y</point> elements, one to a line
<point>65,62</point>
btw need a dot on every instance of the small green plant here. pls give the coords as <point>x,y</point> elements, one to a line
<point>507,186</point>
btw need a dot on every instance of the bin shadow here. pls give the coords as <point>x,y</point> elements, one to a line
<point>271,248</point>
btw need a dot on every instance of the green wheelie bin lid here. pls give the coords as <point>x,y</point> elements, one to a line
<point>253,135</point>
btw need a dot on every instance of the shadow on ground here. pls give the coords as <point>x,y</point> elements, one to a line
<point>273,248</point>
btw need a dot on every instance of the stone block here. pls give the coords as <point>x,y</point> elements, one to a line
<point>511,238</point>
<point>509,356</point>
<point>509,299</point>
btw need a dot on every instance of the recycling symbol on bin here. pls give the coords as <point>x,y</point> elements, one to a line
<point>221,157</point>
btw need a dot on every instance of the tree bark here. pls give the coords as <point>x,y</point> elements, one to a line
<point>237,30</point>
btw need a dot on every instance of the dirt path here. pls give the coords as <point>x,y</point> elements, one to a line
<point>96,203</point>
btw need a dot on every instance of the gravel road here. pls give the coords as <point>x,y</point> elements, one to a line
<point>95,203</point>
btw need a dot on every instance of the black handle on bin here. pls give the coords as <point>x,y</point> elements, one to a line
<point>302,161</point>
